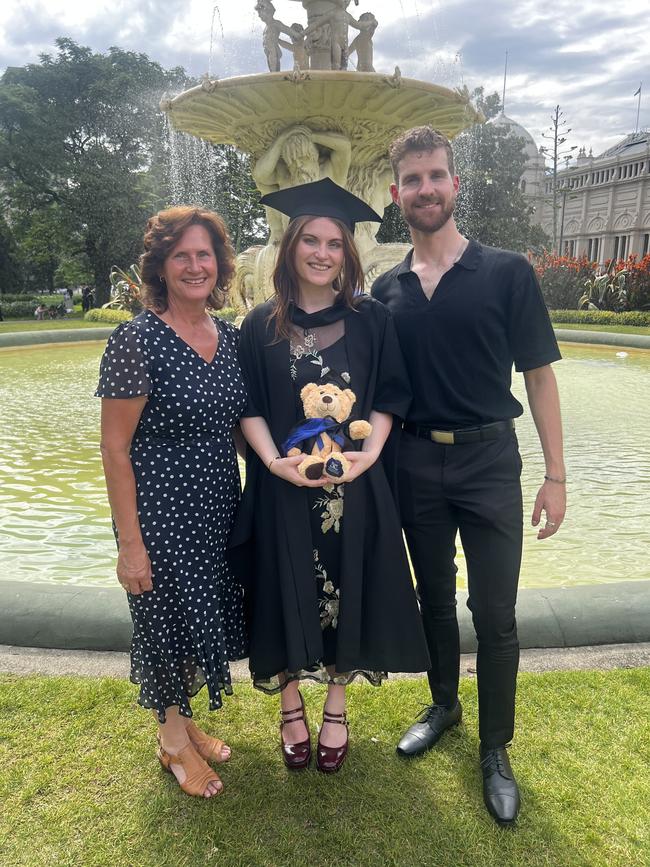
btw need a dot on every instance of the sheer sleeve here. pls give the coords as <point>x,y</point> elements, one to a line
<point>124,369</point>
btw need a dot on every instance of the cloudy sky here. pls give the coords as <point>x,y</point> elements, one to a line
<point>589,56</point>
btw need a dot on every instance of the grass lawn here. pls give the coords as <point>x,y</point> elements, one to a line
<point>612,329</point>
<point>80,784</point>
<point>10,326</point>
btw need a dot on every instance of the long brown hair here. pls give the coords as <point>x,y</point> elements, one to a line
<point>164,230</point>
<point>347,285</point>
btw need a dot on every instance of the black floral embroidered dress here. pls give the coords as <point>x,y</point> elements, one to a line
<point>327,578</point>
<point>312,359</point>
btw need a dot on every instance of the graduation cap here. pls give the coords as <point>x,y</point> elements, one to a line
<point>321,199</point>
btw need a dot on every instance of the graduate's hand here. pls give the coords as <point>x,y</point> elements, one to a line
<point>359,463</point>
<point>287,469</point>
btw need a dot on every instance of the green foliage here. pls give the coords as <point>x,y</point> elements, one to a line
<point>125,289</point>
<point>605,292</point>
<point>11,272</point>
<point>393,229</point>
<point>8,297</point>
<point>80,135</point>
<point>18,309</point>
<point>491,207</point>
<point>562,278</point>
<point>228,313</point>
<point>107,315</point>
<point>601,317</point>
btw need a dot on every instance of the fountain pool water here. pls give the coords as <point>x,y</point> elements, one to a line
<point>55,522</point>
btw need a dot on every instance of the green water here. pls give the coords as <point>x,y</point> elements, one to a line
<point>55,523</point>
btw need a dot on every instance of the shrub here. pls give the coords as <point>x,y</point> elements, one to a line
<point>107,315</point>
<point>562,279</point>
<point>10,297</point>
<point>228,313</point>
<point>600,317</point>
<point>19,309</point>
<point>638,282</point>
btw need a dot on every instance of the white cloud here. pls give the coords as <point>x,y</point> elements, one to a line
<point>589,57</point>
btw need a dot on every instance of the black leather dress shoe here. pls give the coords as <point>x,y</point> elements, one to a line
<point>428,729</point>
<point>500,790</point>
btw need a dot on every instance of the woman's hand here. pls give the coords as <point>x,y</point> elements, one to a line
<point>359,463</point>
<point>287,469</point>
<point>134,568</point>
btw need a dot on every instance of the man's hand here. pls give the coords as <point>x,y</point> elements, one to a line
<point>551,499</point>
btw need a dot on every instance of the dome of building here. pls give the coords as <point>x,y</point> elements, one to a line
<point>518,130</point>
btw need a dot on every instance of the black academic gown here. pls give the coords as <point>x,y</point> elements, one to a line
<point>379,625</point>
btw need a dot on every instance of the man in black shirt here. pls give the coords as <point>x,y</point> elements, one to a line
<point>465,313</point>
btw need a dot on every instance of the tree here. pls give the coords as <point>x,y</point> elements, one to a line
<point>219,177</point>
<point>11,274</point>
<point>83,132</point>
<point>490,161</point>
<point>557,134</point>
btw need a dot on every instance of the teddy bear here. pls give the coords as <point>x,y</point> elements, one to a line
<point>323,433</point>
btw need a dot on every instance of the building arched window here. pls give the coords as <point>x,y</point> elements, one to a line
<point>523,185</point>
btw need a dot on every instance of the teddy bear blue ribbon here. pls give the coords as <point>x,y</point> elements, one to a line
<point>312,428</point>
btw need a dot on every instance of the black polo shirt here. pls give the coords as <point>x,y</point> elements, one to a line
<point>486,314</point>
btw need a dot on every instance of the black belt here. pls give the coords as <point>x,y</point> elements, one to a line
<point>491,431</point>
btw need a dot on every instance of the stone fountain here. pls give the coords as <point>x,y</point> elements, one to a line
<point>320,119</point>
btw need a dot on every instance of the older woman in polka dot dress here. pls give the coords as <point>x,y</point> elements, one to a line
<point>171,397</point>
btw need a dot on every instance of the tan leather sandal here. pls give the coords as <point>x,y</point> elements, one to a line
<point>209,748</point>
<point>197,773</point>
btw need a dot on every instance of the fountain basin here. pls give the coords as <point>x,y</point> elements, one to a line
<point>370,109</point>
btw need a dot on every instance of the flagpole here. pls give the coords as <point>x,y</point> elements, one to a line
<point>638,108</point>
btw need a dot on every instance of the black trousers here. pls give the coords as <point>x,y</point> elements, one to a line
<point>475,489</point>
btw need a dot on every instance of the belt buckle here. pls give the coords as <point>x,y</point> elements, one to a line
<point>446,437</point>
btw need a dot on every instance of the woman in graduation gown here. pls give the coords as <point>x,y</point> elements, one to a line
<point>331,596</point>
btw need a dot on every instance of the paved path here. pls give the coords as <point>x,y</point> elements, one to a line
<point>92,663</point>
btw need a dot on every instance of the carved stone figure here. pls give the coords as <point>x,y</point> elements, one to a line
<point>362,43</point>
<point>297,46</point>
<point>271,37</point>
<point>327,32</point>
<point>372,184</point>
<point>300,155</point>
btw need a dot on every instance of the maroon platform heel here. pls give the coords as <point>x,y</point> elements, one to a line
<point>296,756</point>
<point>330,759</point>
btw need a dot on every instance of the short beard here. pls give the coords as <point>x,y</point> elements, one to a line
<point>429,228</point>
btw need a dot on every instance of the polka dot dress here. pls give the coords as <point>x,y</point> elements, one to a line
<point>187,485</point>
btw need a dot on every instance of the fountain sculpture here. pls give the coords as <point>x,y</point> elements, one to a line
<point>320,119</point>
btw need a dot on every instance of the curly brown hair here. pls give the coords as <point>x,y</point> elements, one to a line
<point>348,284</point>
<point>420,138</point>
<point>164,230</point>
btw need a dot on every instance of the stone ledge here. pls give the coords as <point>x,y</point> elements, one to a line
<point>75,617</point>
<point>602,338</point>
<point>72,335</point>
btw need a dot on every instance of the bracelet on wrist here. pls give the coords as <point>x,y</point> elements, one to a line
<point>268,466</point>
<point>553,479</point>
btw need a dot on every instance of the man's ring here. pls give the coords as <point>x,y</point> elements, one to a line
<point>551,524</point>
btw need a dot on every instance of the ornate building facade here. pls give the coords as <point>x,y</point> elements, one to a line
<point>603,202</point>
